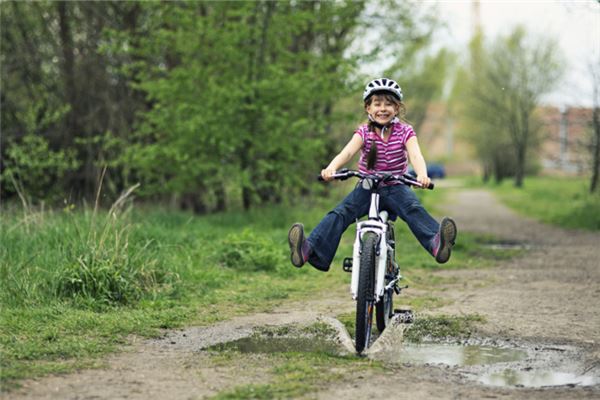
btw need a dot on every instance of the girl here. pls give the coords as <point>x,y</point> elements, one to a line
<point>387,144</point>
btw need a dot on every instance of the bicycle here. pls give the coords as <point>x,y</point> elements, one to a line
<point>375,272</point>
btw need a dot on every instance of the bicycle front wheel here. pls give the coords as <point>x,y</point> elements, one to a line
<point>365,300</point>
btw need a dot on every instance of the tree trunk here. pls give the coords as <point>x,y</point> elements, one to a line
<point>595,150</point>
<point>68,65</point>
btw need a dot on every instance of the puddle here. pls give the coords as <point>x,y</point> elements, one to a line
<point>536,379</point>
<point>482,363</point>
<point>456,355</point>
<point>260,344</point>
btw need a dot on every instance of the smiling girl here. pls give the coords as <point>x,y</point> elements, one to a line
<point>387,143</point>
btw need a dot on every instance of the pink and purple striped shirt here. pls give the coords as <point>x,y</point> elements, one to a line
<point>392,157</point>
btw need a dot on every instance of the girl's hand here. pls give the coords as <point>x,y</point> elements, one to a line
<point>327,174</point>
<point>423,180</point>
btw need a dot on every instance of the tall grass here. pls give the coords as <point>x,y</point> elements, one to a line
<point>86,257</point>
<point>76,282</point>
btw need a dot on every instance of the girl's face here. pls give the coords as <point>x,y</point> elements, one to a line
<point>382,110</point>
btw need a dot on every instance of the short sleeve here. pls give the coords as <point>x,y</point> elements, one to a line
<point>362,131</point>
<point>407,132</point>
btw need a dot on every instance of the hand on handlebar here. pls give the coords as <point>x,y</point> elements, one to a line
<point>327,174</point>
<point>424,180</point>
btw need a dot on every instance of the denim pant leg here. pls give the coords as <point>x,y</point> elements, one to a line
<point>402,201</point>
<point>325,238</point>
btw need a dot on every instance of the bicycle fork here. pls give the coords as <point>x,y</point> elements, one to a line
<point>377,223</point>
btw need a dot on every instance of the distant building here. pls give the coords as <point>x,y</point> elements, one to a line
<point>566,139</point>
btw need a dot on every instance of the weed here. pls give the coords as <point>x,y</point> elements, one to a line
<point>249,251</point>
<point>442,327</point>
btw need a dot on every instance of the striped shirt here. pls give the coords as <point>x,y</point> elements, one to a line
<point>392,157</point>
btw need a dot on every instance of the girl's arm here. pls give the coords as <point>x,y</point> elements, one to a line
<point>417,161</point>
<point>343,157</point>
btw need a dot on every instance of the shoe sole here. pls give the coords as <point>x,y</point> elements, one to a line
<point>447,238</point>
<point>295,239</point>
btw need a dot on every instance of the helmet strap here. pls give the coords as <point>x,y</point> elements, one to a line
<point>381,127</point>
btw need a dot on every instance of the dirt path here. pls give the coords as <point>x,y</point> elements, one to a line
<point>549,296</point>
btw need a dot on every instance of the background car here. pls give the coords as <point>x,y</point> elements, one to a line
<point>434,171</point>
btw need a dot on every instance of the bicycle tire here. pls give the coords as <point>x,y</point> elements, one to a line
<point>365,298</point>
<point>384,308</point>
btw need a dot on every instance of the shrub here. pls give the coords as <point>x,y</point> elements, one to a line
<point>250,252</point>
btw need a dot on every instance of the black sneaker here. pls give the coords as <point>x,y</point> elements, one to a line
<point>446,238</point>
<point>296,240</point>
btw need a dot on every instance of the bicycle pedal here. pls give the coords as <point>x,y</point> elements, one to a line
<point>398,289</point>
<point>347,264</point>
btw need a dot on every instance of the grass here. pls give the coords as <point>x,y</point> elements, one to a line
<point>561,201</point>
<point>298,374</point>
<point>76,283</point>
<point>442,327</point>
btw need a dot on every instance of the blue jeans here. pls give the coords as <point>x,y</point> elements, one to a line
<point>398,200</point>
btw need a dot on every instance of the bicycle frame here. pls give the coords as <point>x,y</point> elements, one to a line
<point>376,223</point>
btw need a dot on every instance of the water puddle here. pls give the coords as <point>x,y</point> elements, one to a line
<point>537,378</point>
<point>500,366</point>
<point>456,355</point>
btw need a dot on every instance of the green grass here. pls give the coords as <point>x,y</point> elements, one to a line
<point>75,284</point>
<point>298,374</point>
<point>561,201</point>
<point>442,327</point>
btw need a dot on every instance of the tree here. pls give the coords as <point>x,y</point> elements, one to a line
<point>595,145</point>
<point>502,95</point>
<point>59,86</point>
<point>240,95</point>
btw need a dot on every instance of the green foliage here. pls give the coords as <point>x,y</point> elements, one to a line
<point>210,106</point>
<point>58,85</point>
<point>498,97</point>
<point>249,251</point>
<point>223,112</point>
<point>30,168</point>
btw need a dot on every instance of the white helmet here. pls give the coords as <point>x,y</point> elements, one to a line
<point>382,85</point>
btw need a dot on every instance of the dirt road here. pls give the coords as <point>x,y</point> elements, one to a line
<point>547,298</point>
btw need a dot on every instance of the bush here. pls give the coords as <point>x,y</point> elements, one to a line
<point>249,251</point>
<point>109,273</point>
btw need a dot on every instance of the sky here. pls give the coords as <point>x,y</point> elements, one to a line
<point>574,24</point>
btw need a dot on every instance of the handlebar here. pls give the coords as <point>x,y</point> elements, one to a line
<point>406,179</point>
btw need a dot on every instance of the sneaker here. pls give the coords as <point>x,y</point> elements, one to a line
<point>444,240</point>
<point>297,245</point>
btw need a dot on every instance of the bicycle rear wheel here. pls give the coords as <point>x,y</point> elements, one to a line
<point>385,306</point>
<point>365,300</point>
<point>383,310</point>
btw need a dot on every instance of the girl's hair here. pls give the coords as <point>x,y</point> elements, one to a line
<point>372,156</point>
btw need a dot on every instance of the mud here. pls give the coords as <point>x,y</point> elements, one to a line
<point>545,302</point>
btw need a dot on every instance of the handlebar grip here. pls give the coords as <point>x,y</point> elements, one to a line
<point>431,186</point>
<point>320,178</point>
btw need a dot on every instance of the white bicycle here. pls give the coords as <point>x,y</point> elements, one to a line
<point>375,272</point>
